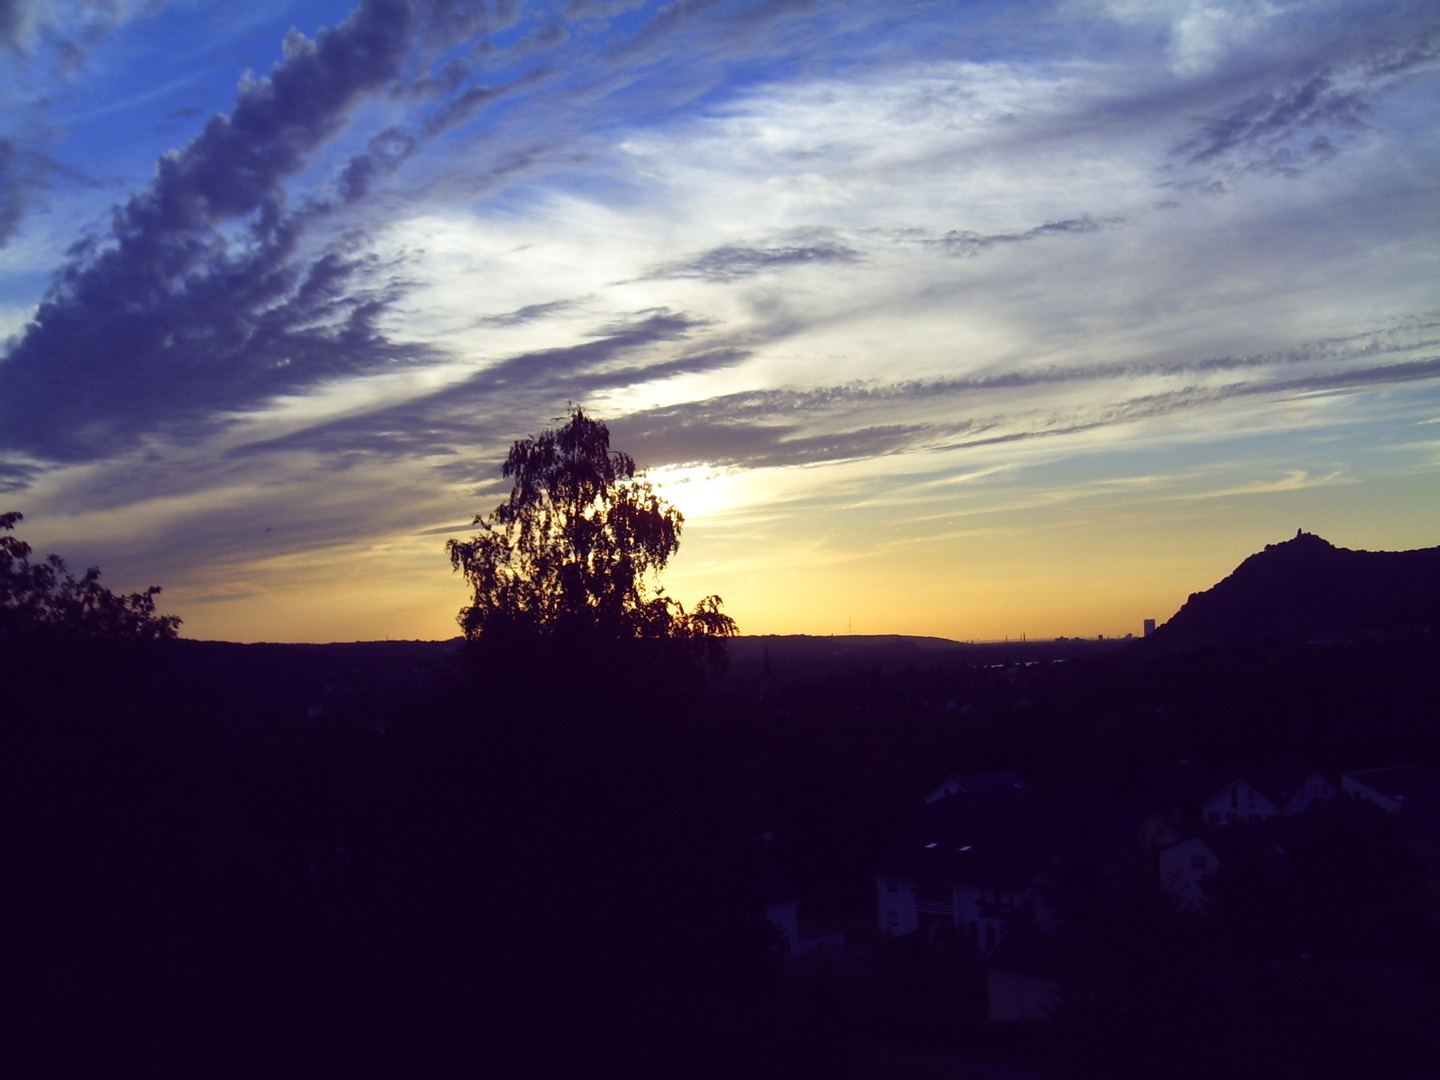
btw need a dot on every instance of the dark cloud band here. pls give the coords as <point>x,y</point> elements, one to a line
<point>201,300</point>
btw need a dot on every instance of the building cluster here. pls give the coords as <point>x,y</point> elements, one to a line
<point>973,869</point>
<point>1410,792</point>
<point>971,864</point>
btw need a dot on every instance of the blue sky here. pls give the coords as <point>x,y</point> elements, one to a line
<point>968,320</point>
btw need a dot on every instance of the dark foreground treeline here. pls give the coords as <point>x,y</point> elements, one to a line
<point>551,862</point>
<point>536,868</point>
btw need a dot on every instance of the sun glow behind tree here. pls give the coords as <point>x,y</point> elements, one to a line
<point>573,552</point>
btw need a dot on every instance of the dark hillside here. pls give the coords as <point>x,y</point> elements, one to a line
<point>1306,589</point>
<point>377,676</point>
<point>296,678</point>
<point>798,658</point>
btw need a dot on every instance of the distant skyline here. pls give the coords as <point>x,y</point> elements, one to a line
<point>967,320</point>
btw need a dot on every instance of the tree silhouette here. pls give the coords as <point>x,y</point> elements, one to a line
<point>572,553</point>
<point>41,596</point>
<point>571,754</point>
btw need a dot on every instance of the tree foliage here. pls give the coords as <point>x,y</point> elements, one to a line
<point>573,552</point>
<point>44,595</point>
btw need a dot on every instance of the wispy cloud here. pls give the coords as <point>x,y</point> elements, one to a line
<point>738,260</point>
<point>1282,131</point>
<point>481,409</point>
<point>527,314</point>
<point>770,428</point>
<point>968,243</point>
<point>1305,111</point>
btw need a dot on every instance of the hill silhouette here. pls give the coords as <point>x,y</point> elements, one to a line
<point>1306,589</point>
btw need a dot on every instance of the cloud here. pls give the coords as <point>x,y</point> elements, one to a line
<point>25,173</point>
<point>96,370</point>
<point>527,314</point>
<point>178,315</point>
<point>966,244</point>
<point>1304,110</point>
<point>15,183</point>
<point>760,429</point>
<point>735,261</point>
<point>15,476</point>
<point>384,154</point>
<point>207,296</point>
<point>480,410</point>
<point>1409,53</point>
<point>447,530</point>
<point>1207,32</point>
<point>14,14</point>
<point>65,31</point>
<point>1265,133</point>
<point>158,375</point>
<point>658,439</point>
<point>1352,379</point>
<point>219,208</point>
<point>457,435</point>
<point>545,36</point>
<point>1151,406</point>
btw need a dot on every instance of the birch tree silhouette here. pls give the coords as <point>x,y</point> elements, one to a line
<point>574,551</point>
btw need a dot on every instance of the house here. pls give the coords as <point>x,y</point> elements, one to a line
<point>970,867</point>
<point>1312,789</point>
<point>1183,867</point>
<point>1409,791</point>
<point>1158,830</point>
<point>1237,803</point>
<point>1022,975</point>
<point>1395,789</point>
<point>1265,793</point>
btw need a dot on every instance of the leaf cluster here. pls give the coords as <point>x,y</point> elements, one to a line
<point>45,596</point>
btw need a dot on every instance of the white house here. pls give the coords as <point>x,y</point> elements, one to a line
<point>1182,868</point>
<point>1409,791</point>
<point>971,866</point>
<point>1311,791</point>
<point>1158,830</point>
<point>1238,802</point>
<point>979,912</point>
<point>1394,789</point>
<point>1266,793</point>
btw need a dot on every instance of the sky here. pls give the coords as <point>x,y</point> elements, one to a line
<point>970,320</point>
